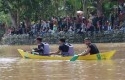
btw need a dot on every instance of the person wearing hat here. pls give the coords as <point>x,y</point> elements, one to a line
<point>91,48</point>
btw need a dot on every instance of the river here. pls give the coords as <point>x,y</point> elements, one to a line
<point>29,69</point>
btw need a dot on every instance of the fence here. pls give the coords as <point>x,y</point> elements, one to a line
<point>96,37</point>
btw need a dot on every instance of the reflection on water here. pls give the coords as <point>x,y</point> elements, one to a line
<point>27,69</point>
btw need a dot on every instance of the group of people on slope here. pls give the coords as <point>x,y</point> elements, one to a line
<point>64,48</point>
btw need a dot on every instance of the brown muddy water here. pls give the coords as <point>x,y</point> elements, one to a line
<point>13,67</point>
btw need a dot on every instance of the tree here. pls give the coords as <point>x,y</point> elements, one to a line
<point>34,10</point>
<point>71,6</point>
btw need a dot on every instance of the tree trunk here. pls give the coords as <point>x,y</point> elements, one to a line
<point>12,14</point>
<point>18,18</point>
<point>57,5</point>
<point>27,22</point>
<point>13,19</point>
<point>99,7</point>
<point>85,8</point>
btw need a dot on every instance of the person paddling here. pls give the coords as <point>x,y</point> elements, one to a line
<point>91,48</point>
<point>42,49</point>
<point>63,48</point>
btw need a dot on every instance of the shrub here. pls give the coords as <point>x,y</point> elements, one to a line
<point>100,37</point>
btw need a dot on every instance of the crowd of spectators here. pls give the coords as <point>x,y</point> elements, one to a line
<point>78,24</point>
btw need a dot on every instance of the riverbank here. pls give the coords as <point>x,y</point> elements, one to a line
<point>114,36</point>
<point>11,51</point>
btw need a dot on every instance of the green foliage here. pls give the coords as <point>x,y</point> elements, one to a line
<point>102,37</point>
<point>37,9</point>
<point>4,18</point>
<point>108,6</point>
<point>71,6</point>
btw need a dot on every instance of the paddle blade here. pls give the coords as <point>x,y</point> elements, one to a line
<point>74,58</point>
<point>99,56</point>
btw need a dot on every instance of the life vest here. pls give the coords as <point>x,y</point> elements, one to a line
<point>46,49</point>
<point>71,49</point>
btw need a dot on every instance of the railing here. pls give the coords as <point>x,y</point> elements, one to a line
<point>96,37</point>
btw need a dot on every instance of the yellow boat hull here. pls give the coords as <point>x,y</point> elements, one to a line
<point>104,56</point>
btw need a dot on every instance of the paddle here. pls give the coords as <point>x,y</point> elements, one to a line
<point>99,56</point>
<point>74,58</point>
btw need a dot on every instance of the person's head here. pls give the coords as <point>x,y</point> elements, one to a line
<point>87,41</point>
<point>38,40</point>
<point>61,41</point>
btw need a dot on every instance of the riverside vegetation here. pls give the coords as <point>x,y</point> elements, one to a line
<point>96,37</point>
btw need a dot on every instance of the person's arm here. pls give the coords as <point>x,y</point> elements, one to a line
<point>57,52</point>
<point>86,52</point>
<point>40,48</point>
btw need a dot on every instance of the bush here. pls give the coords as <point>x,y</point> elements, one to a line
<point>97,37</point>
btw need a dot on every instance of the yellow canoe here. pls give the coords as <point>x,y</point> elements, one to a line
<point>104,56</point>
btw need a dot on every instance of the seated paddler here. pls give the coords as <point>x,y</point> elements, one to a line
<point>91,48</point>
<point>64,49</point>
<point>43,49</point>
